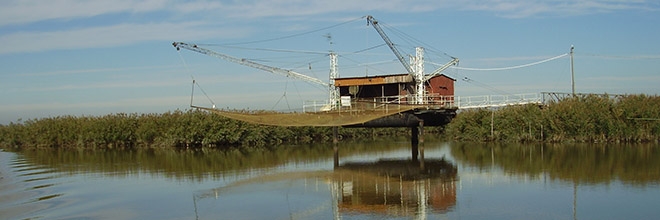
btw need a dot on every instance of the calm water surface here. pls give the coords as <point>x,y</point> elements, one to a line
<point>375,180</point>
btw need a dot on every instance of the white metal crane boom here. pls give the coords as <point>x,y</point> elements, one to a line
<point>246,62</point>
<point>371,20</point>
<point>454,61</point>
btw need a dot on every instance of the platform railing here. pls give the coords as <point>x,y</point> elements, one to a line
<point>316,106</point>
<point>386,103</point>
<point>489,101</point>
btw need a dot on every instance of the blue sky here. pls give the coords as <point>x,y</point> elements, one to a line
<point>96,57</point>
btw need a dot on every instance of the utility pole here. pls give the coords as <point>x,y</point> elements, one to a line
<point>572,73</point>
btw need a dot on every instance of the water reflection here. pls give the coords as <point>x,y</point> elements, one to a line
<point>25,185</point>
<point>396,187</point>
<point>579,163</point>
<point>190,164</point>
<point>301,182</point>
<point>385,188</point>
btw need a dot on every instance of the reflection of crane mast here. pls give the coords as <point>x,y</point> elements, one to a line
<point>416,66</point>
<point>333,92</point>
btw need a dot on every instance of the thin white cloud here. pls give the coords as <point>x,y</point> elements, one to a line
<point>182,19</point>
<point>106,85</point>
<point>138,102</point>
<point>90,71</point>
<point>263,100</point>
<point>28,11</point>
<point>527,8</point>
<point>292,8</point>
<point>109,36</point>
<point>619,79</point>
<point>131,82</point>
<point>504,8</point>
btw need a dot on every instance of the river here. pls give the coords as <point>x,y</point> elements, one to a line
<point>374,180</point>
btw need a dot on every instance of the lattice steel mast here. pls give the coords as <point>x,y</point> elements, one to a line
<point>416,66</point>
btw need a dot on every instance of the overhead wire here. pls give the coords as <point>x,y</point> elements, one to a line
<point>507,68</point>
<point>432,50</point>
<point>293,35</point>
<point>311,71</point>
<point>414,41</point>
<point>234,45</point>
<point>267,49</point>
<point>369,48</point>
<point>367,66</point>
<point>404,36</point>
<point>472,81</point>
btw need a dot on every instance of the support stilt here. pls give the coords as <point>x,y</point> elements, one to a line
<point>335,148</point>
<point>335,133</point>
<point>414,142</point>
<point>335,145</point>
<point>421,145</point>
<point>421,131</point>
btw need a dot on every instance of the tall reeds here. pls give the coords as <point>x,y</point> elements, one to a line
<point>178,129</point>
<point>631,118</point>
<point>593,118</point>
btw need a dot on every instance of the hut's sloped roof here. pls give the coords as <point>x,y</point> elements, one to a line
<point>378,80</point>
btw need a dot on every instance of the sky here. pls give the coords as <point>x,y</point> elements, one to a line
<point>98,57</point>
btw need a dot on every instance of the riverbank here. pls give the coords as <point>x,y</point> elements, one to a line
<point>178,129</point>
<point>584,119</point>
<point>587,119</point>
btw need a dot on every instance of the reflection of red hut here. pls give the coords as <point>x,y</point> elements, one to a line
<point>395,197</point>
<point>396,187</point>
<point>443,196</point>
<point>390,87</point>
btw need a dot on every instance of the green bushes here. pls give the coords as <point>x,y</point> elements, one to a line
<point>632,118</point>
<point>189,129</point>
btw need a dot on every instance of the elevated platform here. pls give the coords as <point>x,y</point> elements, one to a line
<point>411,118</point>
<point>359,115</point>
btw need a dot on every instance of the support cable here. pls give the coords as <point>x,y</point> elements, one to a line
<point>413,41</point>
<point>267,49</point>
<point>185,64</point>
<point>367,49</point>
<point>286,84</point>
<point>472,81</point>
<point>507,68</point>
<point>207,96</point>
